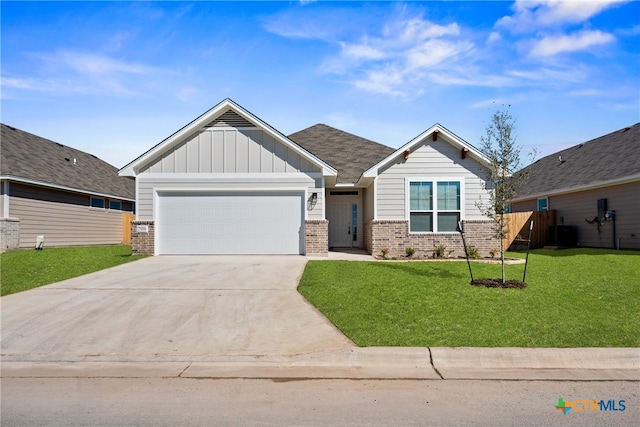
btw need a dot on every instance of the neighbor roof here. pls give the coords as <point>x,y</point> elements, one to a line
<point>609,159</point>
<point>29,158</point>
<point>351,155</point>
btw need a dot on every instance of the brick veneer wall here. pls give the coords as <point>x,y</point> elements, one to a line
<point>394,236</point>
<point>316,237</point>
<point>142,243</point>
<point>10,234</point>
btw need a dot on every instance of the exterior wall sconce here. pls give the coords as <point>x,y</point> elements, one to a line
<point>311,201</point>
<point>463,153</point>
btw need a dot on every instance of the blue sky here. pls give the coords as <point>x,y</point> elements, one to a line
<point>116,78</point>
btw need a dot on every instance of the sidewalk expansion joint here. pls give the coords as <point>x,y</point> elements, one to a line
<point>432,365</point>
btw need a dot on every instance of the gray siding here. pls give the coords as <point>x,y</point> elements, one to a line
<point>227,150</point>
<point>65,219</point>
<point>433,160</point>
<point>148,184</point>
<point>576,208</point>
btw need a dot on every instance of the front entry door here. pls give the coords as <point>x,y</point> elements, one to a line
<point>342,213</point>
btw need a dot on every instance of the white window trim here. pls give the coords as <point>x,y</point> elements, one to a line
<point>538,204</point>
<point>435,180</point>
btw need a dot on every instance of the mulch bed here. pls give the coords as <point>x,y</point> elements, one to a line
<point>497,283</point>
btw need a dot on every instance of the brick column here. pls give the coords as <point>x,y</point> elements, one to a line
<point>316,237</point>
<point>10,234</point>
<point>142,237</point>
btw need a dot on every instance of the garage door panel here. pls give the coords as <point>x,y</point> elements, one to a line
<point>223,223</point>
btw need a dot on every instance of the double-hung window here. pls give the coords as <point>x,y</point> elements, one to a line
<point>434,205</point>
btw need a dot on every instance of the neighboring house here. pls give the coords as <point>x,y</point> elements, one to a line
<point>594,187</point>
<point>69,196</point>
<point>229,183</point>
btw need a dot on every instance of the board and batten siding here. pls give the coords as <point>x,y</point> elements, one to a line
<point>432,160</point>
<point>148,184</point>
<point>227,158</point>
<point>231,150</point>
<point>577,207</point>
<point>65,219</point>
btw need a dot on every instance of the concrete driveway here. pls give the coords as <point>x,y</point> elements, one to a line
<point>169,308</point>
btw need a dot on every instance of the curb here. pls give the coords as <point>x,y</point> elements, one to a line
<point>384,363</point>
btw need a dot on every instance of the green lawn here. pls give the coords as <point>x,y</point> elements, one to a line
<point>27,269</point>
<point>574,298</point>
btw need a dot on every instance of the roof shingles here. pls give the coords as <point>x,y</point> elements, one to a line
<point>351,155</point>
<point>27,156</point>
<point>609,157</point>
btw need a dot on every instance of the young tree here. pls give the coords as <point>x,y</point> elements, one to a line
<point>499,145</point>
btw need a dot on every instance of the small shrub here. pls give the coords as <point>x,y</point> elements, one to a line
<point>439,251</point>
<point>409,251</point>
<point>472,251</point>
<point>494,252</point>
<point>385,253</point>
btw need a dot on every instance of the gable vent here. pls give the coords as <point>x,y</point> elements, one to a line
<point>230,119</point>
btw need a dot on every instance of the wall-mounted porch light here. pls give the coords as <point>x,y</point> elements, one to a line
<point>311,201</point>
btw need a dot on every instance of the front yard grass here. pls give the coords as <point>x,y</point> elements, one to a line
<point>26,269</point>
<point>574,298</point>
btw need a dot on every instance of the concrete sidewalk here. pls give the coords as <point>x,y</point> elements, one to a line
<point>438,363</point>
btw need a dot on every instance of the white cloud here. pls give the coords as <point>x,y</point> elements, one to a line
<point>417,29</point>
<point>396,60</point>
<point>553,45</point>
<point>434,52</point>
<point>361,51</point>
<point>494,37</point>
<point>530,15</point>
<point>69,71</point>
<point>91,64</point>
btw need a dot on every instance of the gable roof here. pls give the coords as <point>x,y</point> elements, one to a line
<point>226,113</point>
<point>348,153</point>
<point>610,159</point>
<point>440,132</point>
<point>31,159</point>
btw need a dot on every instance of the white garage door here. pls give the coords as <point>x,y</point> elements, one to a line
<point>230,223</point>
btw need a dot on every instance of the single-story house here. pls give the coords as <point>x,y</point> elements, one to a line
<point>594,187</point>
<point>229,183</point>
<point>66,195</point>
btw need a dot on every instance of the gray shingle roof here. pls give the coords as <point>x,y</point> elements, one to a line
<point>351,155</point>
<point>24,155</point>
<point>609,157</point>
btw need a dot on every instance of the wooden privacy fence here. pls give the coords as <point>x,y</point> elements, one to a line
<point>126,227</point>
<point>518,224</point>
